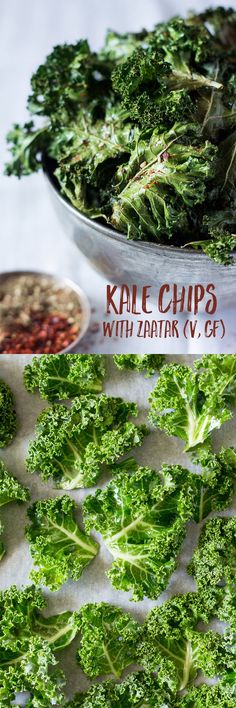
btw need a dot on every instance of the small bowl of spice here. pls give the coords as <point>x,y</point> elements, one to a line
<point>41,313</point>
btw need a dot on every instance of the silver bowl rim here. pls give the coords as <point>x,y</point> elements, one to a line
<point>142,246</point>
<point>65,282</point>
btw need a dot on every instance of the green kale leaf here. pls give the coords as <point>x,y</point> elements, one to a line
<point>140,689</point>
<point>216,696</point>
<point>215,485</point>
<point>10,490</point>
<point>213,567</point>
<point>171,643</point>
<point>109,639</point>
<point>189,403</point>
<point>8,420</point>
<point>151,363</point>
<point>142,516</point>
<point>172,174</point>
<point>28,641</point>
<point>59,548</point>
<point>73,444</point>
<point>59,376</point>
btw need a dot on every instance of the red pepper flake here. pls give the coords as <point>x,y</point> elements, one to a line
<point>37,315</point>
<point>47,334</point>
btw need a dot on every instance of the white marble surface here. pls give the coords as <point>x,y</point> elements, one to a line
<point>30,234</point>
<point>93,585</point>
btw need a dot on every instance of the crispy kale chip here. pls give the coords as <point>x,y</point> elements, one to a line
<point>108,640</point>
<point>28,641</point>
<point>191,403</point>
<point>151,363</point>
<point>103,112</point>
<point>10,490</point>
<point>213,567</point>
<point>59,548</point>
<point>172,170</point>
<point>139,690</point>
<point>72,444</point>
<point>219,247</point>
<point>71,76</point>
<point>142,516</point>
<point>27,144</point>
<point>7,415</point>
<point>171,643</point>
<point>59,376</point>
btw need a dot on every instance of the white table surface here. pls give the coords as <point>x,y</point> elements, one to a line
<point>93,586</point>
<point>31,236</point>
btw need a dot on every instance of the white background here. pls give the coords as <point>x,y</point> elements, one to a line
<point>30,234</point>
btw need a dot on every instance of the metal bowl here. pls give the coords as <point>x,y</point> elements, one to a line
<point>135,262</point>
<point>61,283</point>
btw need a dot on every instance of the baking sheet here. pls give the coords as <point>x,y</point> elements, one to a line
<point>93,586</point>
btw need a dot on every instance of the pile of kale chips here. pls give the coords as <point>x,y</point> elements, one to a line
<point>143,133</point>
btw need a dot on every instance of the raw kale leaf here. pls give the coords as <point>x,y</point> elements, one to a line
<point>28,641</point>
<point>7,415</point>
<point>59,376</point>
<point>216,696</point>
<point>151,363</point>
<point>142,517</point>
<point>213,567</point>
<point>215,485</point>
<point>10,490</point>
<point>59,548</point>
<point>142,690</point>
<point>72,444</point>
<point>191,403</point>
<point>171,643</point>
<point>109,639</point>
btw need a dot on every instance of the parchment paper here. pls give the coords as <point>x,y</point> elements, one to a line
<point>93,586</point>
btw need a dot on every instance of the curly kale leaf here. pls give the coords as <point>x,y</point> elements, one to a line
<point>59,548</point>
<point>139,690</point>
<point>222,22</point>
<point>171,174</point>
<point>26,146</point>
<point>8,421</point>
<point>70,77</point>
<point>90,157</point>
<point>59,376</point>
<point>33,673</point>
<point>220,247</point>
<point>72,444</point>
<point>186,48</point>
<point>21,619</point>
<point>216,696</point>
<point>149,82</point>
<point>28,641</point>
<point>108,640</point>
<point>172,644</point>
<point>142,82</point>
<point>190,404</point>
<point>118,47</point>
<point>151,363</point>
<point>213,567</point>
<point>215,485</point>
<point>141,516</point>
<point>10,490</point>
